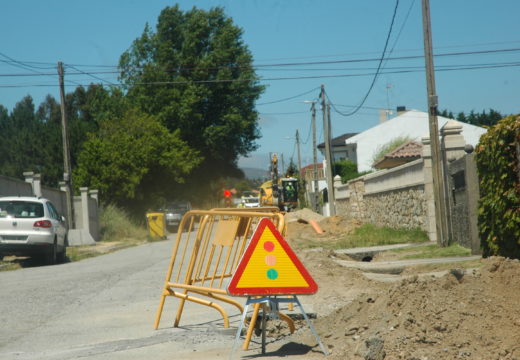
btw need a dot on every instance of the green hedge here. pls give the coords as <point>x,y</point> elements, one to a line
<point>499,171</point>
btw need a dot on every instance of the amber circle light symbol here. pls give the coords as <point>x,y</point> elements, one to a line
<point>270,260</point>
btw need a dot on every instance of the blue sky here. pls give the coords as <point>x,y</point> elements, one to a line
<point>96,32</point>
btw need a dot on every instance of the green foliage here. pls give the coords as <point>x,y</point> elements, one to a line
<point>370,235</point>
<point>195,74</point>
<point>498,155</point>
<point>32,140</point>
<point>480,119</point>
<point>393,144</point>
<point>292,170</point>
<point>116,224</point>
<point>134,161</point>
<point>347,170</point>
<point>434,251</point>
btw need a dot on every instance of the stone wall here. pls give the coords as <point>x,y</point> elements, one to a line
<point>402,208</point>
<point>393,198</point>
<point>402,197</point>
<point>463,205</point>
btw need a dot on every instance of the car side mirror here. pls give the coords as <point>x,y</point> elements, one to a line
<point>63,219</point>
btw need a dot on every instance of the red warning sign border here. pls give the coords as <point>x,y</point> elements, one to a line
<point>265,291</point>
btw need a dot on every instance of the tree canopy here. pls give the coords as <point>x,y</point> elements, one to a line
<point>134,161</point>
<point>195,74</point>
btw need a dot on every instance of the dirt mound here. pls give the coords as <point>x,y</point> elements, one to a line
<point>304,214</point>
<point>300,232</point>
<point>463,315</point>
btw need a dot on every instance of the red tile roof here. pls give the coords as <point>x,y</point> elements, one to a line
<point>407,152</point>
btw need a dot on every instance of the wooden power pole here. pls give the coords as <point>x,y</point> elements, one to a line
<point>441,220</point>
<point>315,160</point>
<point>328,155</point>
<point>299,154</point>
<point>67,167</point>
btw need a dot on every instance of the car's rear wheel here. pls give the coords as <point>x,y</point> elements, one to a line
<point>52,255</point>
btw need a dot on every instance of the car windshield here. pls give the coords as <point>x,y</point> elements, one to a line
<point>21,209</point>
<point>251,200</point>
<point>178,207</point>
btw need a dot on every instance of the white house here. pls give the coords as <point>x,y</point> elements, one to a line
<point>412,123</point>
<point>339,149</point>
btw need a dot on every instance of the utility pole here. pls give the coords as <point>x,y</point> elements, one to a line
<point>67,168</point>
<point>441,220</point>
<point>328,157</point>
<point>299,154</point>
<point>316,192</point>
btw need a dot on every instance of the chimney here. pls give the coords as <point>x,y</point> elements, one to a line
<point>383,115</point>
<point>401,110</point>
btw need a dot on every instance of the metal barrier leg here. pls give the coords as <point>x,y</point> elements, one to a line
<point>179,310</point>
<point>288,320</point>
<point>237,337</point>
<point>256,310</point>
<point>311,327</point>
<point>159,311</point>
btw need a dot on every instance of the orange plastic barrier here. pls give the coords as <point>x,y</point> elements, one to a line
<point>206,252</point>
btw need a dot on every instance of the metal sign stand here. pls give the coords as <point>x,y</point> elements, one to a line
<point>273,303</point>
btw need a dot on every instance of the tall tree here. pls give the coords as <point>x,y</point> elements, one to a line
<point>195,73</point>
<point>479,119</point>
<point>134,160</point>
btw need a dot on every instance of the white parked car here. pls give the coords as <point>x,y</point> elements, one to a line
<point>251,201</point>
<point>31,226</point>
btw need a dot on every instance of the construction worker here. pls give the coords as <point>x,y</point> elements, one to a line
<point>290,192</point>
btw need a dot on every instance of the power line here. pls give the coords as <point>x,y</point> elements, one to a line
<point>91,75</point>
<point>288,98</point>
<point>457,68</point>
<point>378,68</point>
<point>268,66</point>
<point>30,68</point>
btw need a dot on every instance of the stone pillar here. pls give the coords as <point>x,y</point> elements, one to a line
<point>94,194</point>
<point>37,185</point>
<point>428,189</point>
<point>84,208</point>
<point>452,142</point>
<point>63,186</point>
<point>452,147</point>
<point>29,178</point>
<point>35,181</point>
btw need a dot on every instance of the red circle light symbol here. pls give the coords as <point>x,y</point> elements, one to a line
<point>269,246</point>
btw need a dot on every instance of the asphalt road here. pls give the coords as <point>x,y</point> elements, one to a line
<point>103,308</point>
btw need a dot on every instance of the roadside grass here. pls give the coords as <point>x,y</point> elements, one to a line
<point>367,235</point>
<point>118,231</point>
<point>431,251</point>
<point>370,235</point>
<point>426,268</point>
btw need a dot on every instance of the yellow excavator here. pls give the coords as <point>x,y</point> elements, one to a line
<point>281,192</point>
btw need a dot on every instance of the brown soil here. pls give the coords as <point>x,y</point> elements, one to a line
<point>300,232</point>
<point>466,314</point>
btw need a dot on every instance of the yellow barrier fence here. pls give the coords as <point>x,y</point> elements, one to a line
<point>206,252</point>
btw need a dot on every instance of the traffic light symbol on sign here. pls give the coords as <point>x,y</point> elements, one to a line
<point>270,267</point>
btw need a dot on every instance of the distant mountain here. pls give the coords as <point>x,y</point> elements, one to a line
<point>255,173</point>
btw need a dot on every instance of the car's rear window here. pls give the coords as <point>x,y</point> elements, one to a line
<point>21,209</point>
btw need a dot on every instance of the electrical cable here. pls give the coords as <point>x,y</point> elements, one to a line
<point>377,71</point>
<point>22,65</point>
<point>289,98</point>
<point>458,68</point>
<point>90,74</point>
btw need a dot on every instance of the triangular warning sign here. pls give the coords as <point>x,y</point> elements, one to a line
<point>270,267</point>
